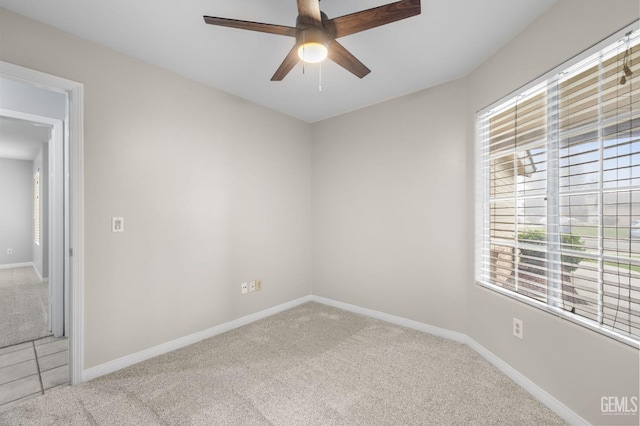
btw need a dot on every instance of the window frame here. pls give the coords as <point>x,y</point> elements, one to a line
<point>483,239</point>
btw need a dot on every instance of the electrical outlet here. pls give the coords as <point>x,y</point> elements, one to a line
<point>518,328</point>
<point>252,286</point>
<point>9,251</point>
<point>258,285</point>
<point>244,287</point>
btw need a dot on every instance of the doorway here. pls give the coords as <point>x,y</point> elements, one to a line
<point>67,231</point>
<point>46,232</point>
<point>26,286</point>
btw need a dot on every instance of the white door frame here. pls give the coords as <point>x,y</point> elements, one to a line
<point>58,280</point>
<point>73,143</point>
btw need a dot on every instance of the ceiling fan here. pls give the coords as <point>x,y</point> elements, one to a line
<point>316,34</point>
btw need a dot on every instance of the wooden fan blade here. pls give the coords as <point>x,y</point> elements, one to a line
<point>342,57</point>
<point>287,65</point>
<point>309,12</point>
<point>371,18</point>
<point>252,26</point>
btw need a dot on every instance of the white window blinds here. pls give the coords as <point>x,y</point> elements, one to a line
<point>558,192</point>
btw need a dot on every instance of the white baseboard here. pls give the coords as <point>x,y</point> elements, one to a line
<point>125,361</point>
<point>536,391</point>
<point>37,272</point>
<point>16,265</point>
<point>393,319</point>
<point>540,394</point>
<point>543,396</point>
<point>24,265</point>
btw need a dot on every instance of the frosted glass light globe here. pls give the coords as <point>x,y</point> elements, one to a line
<point>313,52</point>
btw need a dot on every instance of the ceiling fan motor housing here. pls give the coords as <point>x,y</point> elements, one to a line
<point>313,35</point>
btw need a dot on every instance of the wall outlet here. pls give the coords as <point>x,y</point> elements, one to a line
<point>258,285</point>
<point>252,286</point>
<point>244,288</point>
<point>9,251</point>
<point>518,328</point>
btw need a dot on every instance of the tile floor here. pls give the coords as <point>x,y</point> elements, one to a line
<point>29,369</point>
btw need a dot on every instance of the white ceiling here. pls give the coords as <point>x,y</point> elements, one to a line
<point>448,40</point>
<point>20,139</point>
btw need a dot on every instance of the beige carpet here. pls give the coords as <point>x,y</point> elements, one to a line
<point>24,306</point>
<point>311,365</point>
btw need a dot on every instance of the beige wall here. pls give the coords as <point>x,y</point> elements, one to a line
<point>214,191</point>
<point>389,207</point>
<point>16,199</point>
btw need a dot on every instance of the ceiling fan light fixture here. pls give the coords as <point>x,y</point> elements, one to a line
<point>313,45</point>
<point>313,52</point>
<point>315,33</point>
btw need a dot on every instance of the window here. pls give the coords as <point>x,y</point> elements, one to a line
<point>558,192</point>
<point>36,208</point>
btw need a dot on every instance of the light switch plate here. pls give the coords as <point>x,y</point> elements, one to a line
<point>117,224</point>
